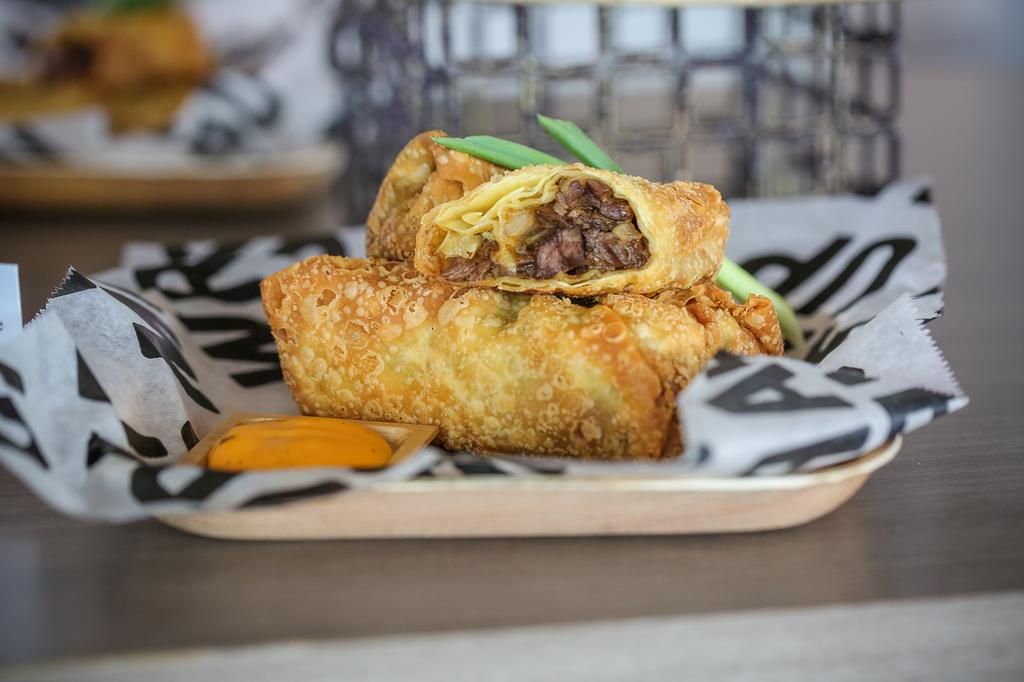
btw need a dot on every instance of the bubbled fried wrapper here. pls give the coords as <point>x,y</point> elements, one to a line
<point>125,370</point>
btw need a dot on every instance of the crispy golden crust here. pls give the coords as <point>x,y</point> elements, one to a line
<point>139,67</point>
<point>686,225</point>
<point>753,328</point>
<point>496,372</point>
<point>424,175</point>
<point>672,317</point>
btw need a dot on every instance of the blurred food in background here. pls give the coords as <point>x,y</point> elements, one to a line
<point>147,104</point>
<point>137,59</point>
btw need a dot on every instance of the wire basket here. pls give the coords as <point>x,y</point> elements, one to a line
<point>764,101</point>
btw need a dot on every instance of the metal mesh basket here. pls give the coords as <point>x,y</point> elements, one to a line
<point>758,101</point>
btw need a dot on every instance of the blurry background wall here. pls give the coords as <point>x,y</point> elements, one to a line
<point>776,102</point>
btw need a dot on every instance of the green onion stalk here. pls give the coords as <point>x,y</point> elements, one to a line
<point>513,155</point>
<point>123,6</point>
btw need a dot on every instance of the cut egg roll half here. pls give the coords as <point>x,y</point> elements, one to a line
<point>423,175</point>
<point>577,231</point>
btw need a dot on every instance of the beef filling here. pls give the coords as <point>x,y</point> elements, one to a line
<point>584,228</point>
<point>480,266</point>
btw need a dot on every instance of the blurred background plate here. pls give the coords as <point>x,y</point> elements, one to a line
<point>238,182</point>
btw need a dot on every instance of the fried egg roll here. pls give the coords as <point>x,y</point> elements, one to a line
<point>578,231</point>
<point>424,175</point>
<point>501,372</point>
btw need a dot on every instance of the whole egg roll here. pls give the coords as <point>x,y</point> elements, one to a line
<point>424,175</point>
<point>500,372</point>
<point>578,231</point>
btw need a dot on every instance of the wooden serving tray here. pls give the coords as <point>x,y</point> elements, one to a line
<point>233,184</point>
<point>501,505</point>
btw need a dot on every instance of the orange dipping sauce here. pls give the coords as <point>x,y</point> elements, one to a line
<point>293,442</point>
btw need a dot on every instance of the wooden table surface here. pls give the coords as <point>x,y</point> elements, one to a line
<point>945,518</point>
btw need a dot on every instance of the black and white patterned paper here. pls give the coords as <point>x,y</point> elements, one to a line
<point>124,371</point>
